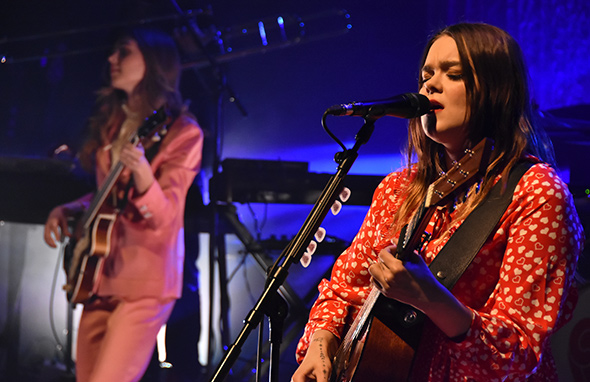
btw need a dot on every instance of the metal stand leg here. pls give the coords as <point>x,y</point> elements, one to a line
<point>286,297</point>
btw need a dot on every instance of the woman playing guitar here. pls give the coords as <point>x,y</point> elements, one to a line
<point>140,273</point>
<point>495,323</point>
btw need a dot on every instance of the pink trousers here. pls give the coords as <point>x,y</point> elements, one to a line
<point>116,338</point>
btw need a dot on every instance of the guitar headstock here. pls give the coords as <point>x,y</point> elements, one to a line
<point>473,162</point>
<point>151,124</point>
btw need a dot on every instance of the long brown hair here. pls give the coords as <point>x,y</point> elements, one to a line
<point>498,107</point>
<point>158,87</point>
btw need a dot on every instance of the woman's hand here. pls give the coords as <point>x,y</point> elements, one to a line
<point>317,364</point>
<point>133,157</point>
<point>56,226</point>
<point>412,283</point>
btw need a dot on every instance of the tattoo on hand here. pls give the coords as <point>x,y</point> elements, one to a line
<point>322,355</point>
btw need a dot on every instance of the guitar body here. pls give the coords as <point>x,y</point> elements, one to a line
<point>384,337</point>
<point>84,257</point>
<point>384,348</point>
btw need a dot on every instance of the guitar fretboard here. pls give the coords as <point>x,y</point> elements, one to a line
<point>101,195</point>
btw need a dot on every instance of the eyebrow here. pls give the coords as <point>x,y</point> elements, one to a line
<point>123,41</point>
<point>445,65</point>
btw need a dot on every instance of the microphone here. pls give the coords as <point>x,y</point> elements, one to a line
<point>408,105</point>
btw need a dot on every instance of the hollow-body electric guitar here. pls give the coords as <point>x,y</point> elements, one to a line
<point>90,245</point>
<point>381,342</point>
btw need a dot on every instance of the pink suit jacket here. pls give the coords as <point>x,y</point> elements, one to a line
<point>147,249</point>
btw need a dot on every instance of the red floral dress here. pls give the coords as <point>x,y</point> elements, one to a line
<point>519,286</point>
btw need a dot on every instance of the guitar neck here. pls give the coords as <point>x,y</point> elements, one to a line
<point>102,194</point>
<point>362,316</point>
<point>413,232</point>
<point>409,243</point>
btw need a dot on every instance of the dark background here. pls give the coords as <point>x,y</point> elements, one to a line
<point>54,59</point>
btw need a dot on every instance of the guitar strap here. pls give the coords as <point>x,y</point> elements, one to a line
<point>460,250</point>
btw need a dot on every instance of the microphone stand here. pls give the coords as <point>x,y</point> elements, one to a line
<point>276,316</point>
<point>267,303</point>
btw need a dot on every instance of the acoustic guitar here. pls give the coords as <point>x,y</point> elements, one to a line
<point>90,245</point>
<point>382,341</point>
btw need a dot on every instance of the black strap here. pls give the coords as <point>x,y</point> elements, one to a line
<point>460,250</point>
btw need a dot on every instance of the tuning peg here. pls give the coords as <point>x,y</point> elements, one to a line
<point>320,234</point>
<point>164,130</point>
<point>156,137</point>
<point>336,207</point>
<point>344,194</point>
